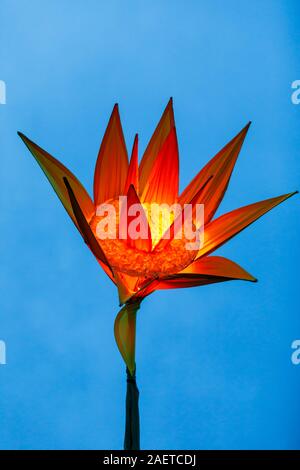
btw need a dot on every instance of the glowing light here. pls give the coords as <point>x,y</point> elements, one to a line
<point>133,262</point>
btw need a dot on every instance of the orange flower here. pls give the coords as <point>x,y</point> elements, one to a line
<point>138,267</point>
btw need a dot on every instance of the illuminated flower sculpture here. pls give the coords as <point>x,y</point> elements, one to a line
<point>139,265</point>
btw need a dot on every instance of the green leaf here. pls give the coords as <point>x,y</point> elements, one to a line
<point>125,332</point>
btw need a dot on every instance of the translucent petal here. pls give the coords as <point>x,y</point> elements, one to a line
<point>228,225</point>
<point>221,167</point>
<point>157,140</point>
<point>55,172</point>
<point>112,162</point>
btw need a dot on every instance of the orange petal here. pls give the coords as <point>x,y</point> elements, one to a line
<point>208,270</point>
<point>215,266</point>
<point>228,225</point>
<point>125,332</point>
<point>144,244</point>
<point>84,227</point>
<point>55,172</point>
<point>133,169</point>
<point>162,183</point>
<point>221,166</point>
<point>157,140</point>
<point>112,162</point>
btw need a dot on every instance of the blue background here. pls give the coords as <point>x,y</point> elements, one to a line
<point>214,367</point>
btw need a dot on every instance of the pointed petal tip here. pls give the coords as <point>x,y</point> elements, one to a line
<point>22,136</point>
<point>288,195</point>
<point>26,139</point>
<point>28,142</point>
<point>115,110</point>
<point>242,134</point>
<point>135,141</point>
<point>245,129</point>
<point>170,107</point>
<point>249,277</point>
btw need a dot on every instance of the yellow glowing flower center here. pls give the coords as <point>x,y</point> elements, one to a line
<point>159,219</point>
<point>170,260</point>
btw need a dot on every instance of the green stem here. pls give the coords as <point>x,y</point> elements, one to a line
<point>132,427</point>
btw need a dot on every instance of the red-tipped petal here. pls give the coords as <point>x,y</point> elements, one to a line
<point>55,172</point>
<point>157,140</point>
<point>133,169</point>
<point>215,266</point>
<point>125,332</point>
<point>112,162</point>
<point>163,180</point>
<point>221,166</point>
<point>228,225</point>
<point>127,220</point>
<point>84,227</point>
